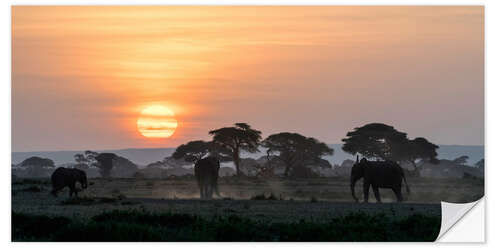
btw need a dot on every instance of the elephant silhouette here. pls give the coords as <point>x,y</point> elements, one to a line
<point>67,177</point>
<point>206,172</point>
<point>378,174</point>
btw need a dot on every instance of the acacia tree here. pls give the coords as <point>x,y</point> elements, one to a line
<point>480,164</point>
<point>192,151</point>
<point>375,140</point>
<point>462,160</point>
<point>38,161</point>
<point>419,149</point>
<point>80,159</point>
<point>296,151</point>
<point>86,160</point>
<point>105,163</point>
<point>235,139</point>
<point>35,166</point>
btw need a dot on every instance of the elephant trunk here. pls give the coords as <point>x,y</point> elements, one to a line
<point>353,184</point>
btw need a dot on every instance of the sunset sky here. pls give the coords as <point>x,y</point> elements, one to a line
<point>82,75</point>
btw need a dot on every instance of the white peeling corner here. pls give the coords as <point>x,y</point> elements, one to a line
<point>451,213</point>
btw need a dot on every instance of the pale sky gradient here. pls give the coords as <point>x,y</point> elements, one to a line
<point>82,75</point>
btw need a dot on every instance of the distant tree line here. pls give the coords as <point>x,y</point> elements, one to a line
<point>293,154</point>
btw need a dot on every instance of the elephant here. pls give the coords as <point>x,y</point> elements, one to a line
<point>67,177</point>
<point>378,174</point>
<point>206,171</point>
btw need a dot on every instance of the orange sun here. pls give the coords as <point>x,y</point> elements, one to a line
<point>156,122</point>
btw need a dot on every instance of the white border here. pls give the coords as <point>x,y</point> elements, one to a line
<point>492,15</point>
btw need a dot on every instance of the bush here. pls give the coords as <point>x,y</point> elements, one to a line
<point>258,197</point>
<point>272,197</point>
<point>263,197</point>
<point>78,201</point>
<point>87,201</point>
<point>37,181</point>
<point>144,226</point>
<point>35,227</point>
<point>118,195</point>
<point>34,189</point>
<point>314,199</point>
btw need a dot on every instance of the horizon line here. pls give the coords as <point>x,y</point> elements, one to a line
<point>132,148</point>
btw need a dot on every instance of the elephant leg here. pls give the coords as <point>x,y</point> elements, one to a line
<point>207,189</point>
<point>397,191</point>
<point>210,191</point>
<point>202,191</point>
<point>72,189</point>
<point>366,190</point>
<point>54,191</point>
<point>376,193</point>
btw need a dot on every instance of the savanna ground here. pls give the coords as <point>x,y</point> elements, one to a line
<point>318,209</point>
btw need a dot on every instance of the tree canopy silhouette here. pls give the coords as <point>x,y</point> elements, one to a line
<point>375,140</point>
<point>105,163</point>
<point>80,159</point>
<point>419,149</point>
<point>378,140</point>
<point>296,151</point>
<point>235,139</point>
<point>35,166</point>
<point>36,161</point>
<point>86,160</point>
<point>462,160</point>
<point>194,151</point>
<point>480,164</point>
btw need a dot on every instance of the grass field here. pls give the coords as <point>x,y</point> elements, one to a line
<point>309,205</point>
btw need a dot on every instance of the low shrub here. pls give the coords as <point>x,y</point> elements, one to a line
<point>78,201</point>
<point>258,197</point>
<point>87,201</point>
<point>35,227</point>
<point>264,197</point>
<point>136,225</point>
<point>314,199</point>
<point>33,188</point>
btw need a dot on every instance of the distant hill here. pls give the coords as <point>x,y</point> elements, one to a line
<point>139,156</point>
<point>144,156</point>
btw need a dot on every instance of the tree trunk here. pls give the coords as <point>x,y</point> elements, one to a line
<point>416,170</point>
<point>287,170</point>
<point>236,160</point>
<point>288,166</point>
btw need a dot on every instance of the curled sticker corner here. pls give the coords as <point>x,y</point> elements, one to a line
<point>451,213</point>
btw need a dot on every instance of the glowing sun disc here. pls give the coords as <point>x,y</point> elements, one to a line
<point>156,122</point>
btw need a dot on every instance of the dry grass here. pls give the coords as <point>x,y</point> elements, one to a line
<point>290,199</point>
